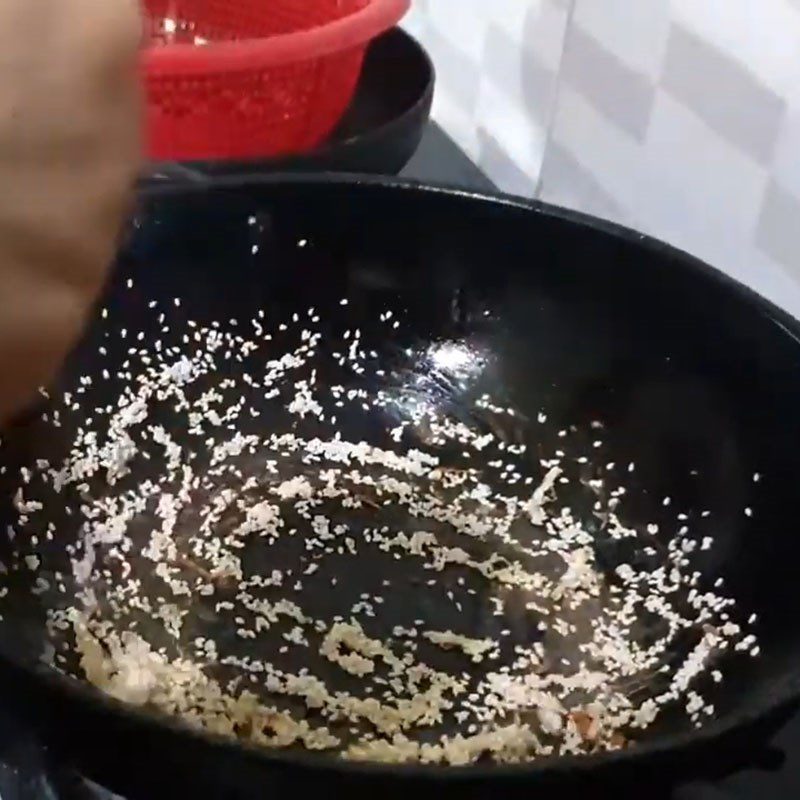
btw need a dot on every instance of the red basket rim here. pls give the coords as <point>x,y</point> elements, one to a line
<point>341,34</point>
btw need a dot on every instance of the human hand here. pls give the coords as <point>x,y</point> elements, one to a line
<point>69,152</point>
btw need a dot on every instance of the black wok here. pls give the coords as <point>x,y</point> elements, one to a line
<point>696,379</point>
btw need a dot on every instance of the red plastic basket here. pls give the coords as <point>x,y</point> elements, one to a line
<point>229,79</point>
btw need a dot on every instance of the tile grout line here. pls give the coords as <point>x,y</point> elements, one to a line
<point>556,98</point>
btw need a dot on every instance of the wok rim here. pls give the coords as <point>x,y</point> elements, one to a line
<point>784,693</point>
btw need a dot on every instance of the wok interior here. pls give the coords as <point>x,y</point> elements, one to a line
<point>696,382</point>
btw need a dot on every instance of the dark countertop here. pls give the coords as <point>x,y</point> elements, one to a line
<point>439,160</point>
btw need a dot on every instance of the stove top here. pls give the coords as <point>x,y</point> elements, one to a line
<point>29,772</point>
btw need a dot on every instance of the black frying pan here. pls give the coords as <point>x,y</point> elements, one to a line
<point>696,379</point>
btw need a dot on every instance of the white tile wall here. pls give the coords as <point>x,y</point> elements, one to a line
<point>497,66</point>
<point>678,117</point>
